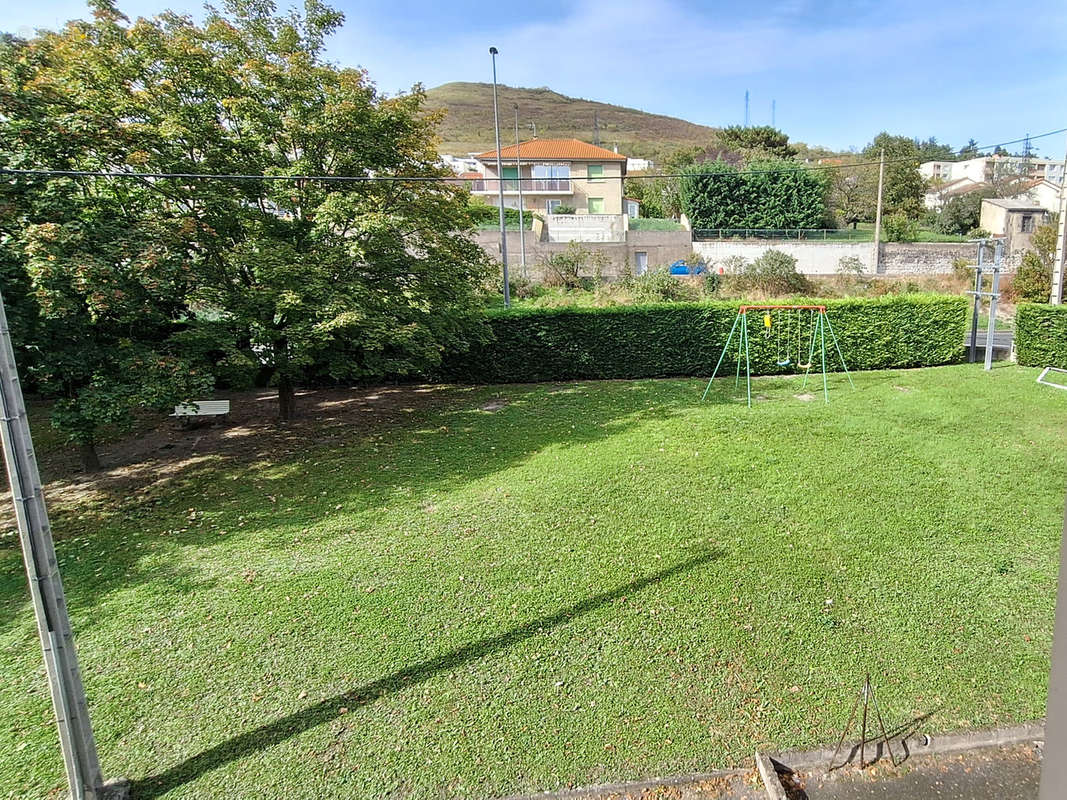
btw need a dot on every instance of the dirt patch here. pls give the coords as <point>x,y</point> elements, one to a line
<point>161,450</point>
<point>807,397</point>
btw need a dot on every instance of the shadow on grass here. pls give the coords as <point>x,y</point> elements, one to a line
<point>278,731</point>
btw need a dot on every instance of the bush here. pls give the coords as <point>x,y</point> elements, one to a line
<point>1032,282</point>
<point>659,286</point>
<point>485,215</point>
<point>567,268</point>
<point>899,227</point>
<point>561,209</point>
<point>850,266</point>
<point>655,224</point>
<point>773,273</point>
<point>1041,335</point>
<point>687,338</point>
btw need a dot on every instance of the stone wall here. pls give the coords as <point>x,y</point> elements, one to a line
<point>824,258</point>
<point>663,248</point>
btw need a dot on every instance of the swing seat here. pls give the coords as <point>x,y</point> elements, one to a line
<point>804,366</point>
<point>784,363</point>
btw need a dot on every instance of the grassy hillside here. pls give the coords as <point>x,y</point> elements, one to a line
<point>468,126</point>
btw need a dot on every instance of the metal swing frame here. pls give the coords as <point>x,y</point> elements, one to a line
<point>740,327</point>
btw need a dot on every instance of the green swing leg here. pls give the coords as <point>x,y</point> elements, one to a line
<point>822,343</point>
<point>838,347</point>
<point>721,356</point>
<point>811,353</point>
<point>748,368</point>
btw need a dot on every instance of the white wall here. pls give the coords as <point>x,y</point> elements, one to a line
<point>813,258</point>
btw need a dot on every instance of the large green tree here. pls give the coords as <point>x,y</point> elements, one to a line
<point>757,142</point>
<point>904,186</point>
<point>363,277</point>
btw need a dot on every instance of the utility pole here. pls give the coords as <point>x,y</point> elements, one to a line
<point>522,226</point>
<point>772,114</point>
<point>534,126</point>
<point>1054,765</point>
<point>46,588</point>
<point>500,183</point>
<point>1059,266</point>
<point>878,214</point>
<point>596,128</point>
<point>746,108</point>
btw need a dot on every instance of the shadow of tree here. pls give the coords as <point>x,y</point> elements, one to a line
<point>278,731</point>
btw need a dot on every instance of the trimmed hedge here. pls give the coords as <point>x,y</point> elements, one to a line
<point>530,345</point>
<point>1041,335</point>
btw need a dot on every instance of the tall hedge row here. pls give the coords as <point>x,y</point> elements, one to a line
<point>687,339</point>
<point>1041,335</point>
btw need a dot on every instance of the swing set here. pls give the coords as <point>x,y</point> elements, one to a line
<point>786,329</point>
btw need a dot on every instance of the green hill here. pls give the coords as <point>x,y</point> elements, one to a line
<point>468,125</point>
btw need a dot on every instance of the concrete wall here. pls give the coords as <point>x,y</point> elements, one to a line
<point>662,247</point>
<point>813,258</point>
<point>824,258</point>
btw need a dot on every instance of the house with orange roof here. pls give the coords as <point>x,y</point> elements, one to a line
<point>555,173</point>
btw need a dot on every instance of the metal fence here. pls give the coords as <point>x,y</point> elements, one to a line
<point>801,234</point>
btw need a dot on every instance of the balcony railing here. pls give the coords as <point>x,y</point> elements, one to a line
<point>531,185</point>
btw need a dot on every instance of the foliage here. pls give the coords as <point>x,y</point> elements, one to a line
<point>757,142</point>
<point>854,193</point>
<point>903,185</point>
<point>1032,281</point>
<point>1043,241</point>
<point>899,227</point>
<point>961,214</point>
<point>659,286</point>
<point>1041,334</point>
<point>933,150</point>
<point>365,279</point>
<point>571,268</point>
<point>485,215</point>
<point>562,209</point>
<point>851,266</point>
<point>687,339</point>
<point>772,273</point>
<point>646,224</point>
<point>767,194</point>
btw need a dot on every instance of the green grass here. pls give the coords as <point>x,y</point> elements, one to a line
<point>595,582</point>
<point>655,224</point>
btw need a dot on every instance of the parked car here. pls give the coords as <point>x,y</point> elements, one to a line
<point>680,267</point>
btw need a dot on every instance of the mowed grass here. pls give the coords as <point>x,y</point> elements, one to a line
<point>594,582</point>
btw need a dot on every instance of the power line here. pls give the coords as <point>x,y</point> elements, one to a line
<point>449,179</point>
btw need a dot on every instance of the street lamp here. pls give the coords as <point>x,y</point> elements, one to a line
<point>522,227</point>
<point>500,182</point>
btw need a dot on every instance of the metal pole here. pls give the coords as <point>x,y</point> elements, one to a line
<point>1054,765</point>
<point>822,346</point>
<point>1060,264</point>
<point>878,214</point>
<point>518,169</point>
<point>992,324</point>
<point>46,588</point>
<point>500,183</point>
<point>721,356</point>
<point>973,354</point>
<point>844,366</point>
<point>748,364</point>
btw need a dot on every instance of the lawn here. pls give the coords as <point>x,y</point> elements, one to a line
<point>503,589</point>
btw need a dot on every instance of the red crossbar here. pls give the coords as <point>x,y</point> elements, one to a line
<point>743,309</point>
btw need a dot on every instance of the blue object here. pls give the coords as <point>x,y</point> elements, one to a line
<point>679,267</point>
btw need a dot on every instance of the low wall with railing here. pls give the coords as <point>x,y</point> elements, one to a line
<point>586,227</point>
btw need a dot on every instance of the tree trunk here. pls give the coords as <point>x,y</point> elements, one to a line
<point>90,459</point>
<point>286,398</point>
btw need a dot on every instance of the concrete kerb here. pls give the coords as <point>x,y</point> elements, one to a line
<point>918,744</point>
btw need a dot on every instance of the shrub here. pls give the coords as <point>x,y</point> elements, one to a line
<point>773,273</point>
<point>567,268</point>
<point>561,209</point>
<point>687,339</point>
<point>1032,282</point>
<point>1041,335</point>
<point>659,286</point>
<point>899,227</point>
<point>850,266</point>
<point>485,215</point>
<point>961,269</point>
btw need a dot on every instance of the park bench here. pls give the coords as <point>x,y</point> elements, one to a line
<point>187,412</point>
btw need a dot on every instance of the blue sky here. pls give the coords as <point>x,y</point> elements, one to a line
<point>839,72</point>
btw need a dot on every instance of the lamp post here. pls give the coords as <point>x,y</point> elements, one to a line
<point>518,170</point>
<point>500,182</point>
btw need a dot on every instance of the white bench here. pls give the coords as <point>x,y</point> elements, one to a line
<point>202,408</point>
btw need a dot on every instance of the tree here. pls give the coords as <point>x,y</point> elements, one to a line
<point>853,193</point>
<point>970,150</point>
<point>766,194</point>
<point>932,150</point>
<point>760,142</point>
<point>364,278</point>
<point>95,286</point>
<point>962,213</point>
<point>904,186</point>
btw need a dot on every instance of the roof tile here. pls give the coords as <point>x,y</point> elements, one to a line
<point>561,149</point>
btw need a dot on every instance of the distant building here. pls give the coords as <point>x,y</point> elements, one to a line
<point>639,164</point>
<point>1013,220</point>
<point>554,173</point>
<point>461,164</point>
<point>987,169</point>
<point>1043,193</point>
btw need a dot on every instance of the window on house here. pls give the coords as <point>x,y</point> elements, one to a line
<point>552,205</point>
<point>595,173</point>
<point>596,205</point>
<point>1027,225</point>
<point>511,176</point>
